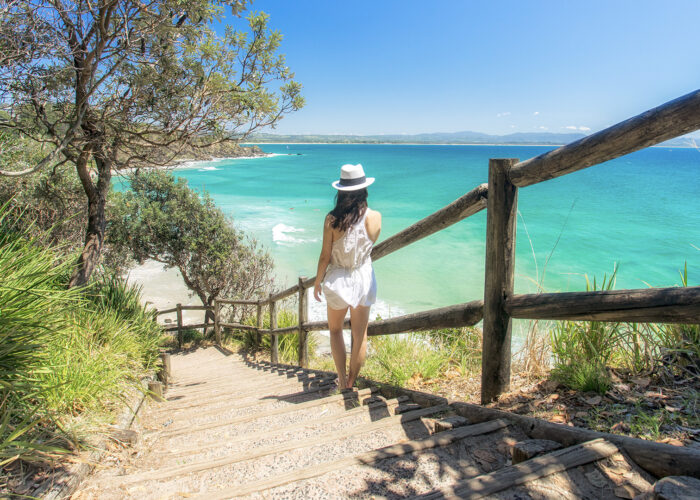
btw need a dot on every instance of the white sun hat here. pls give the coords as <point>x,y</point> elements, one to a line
<point>352,177</point>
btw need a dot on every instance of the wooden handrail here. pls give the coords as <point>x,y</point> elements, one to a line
<point>241,302</point>
<point>463,207</point>
<point>455,316</point>
<point>648,305</point>
<point>664,122</point>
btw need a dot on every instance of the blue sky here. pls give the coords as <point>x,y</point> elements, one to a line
<point>388,66</point>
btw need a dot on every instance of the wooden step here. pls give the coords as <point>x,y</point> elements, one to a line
<point>169,472</point>
<point>440,439</point>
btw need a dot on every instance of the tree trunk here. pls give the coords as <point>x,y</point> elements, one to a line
<point>97,201</point>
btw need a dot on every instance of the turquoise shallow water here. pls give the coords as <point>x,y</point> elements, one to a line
<point>640,211</point>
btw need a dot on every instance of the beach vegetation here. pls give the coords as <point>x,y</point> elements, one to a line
<point>67,355</point>
<point>161,218</point>
<point>112,84</point>
<point>287,344</point>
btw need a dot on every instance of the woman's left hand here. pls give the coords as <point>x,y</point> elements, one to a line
<point>317,291</point>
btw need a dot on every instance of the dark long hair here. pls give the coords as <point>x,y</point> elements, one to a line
<point>350,206</point>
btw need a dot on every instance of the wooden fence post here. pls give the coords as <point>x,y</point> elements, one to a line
<point>303,318</point>
<point>164,372</point>
<point>498,283</point>
<point>258,334</point>
<point>179,325</point>
<point>217,319</point>
<point>274,339</point>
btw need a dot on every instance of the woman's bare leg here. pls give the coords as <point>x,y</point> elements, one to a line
<point>359,318</point>
<point>336,317</point>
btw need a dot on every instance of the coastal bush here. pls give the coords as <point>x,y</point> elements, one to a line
<point>162,219</point>
<point>62,351</point>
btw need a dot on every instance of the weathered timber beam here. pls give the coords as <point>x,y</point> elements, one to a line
<point>463,207</point>
<point>658,458</point>
<point>182,327</point>
<point>238,326</point>
<point>444,317</point>
<point>166,311</point>
<point>667,121</point>
<point>647,305</point>
<point>239,302</point>
<point>282,331</point>
<point>196,308</point>
<point>285,293</point>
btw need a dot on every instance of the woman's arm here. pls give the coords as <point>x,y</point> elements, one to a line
<point>373,225</point>
<point>325,257</point>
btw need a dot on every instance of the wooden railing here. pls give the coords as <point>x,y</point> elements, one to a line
<point>500,305</point>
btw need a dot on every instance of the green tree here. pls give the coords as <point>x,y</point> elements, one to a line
<point>109,84</point>
<point>161,218</point>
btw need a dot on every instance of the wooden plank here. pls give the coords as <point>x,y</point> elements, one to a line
<point>458,315</point>
<point>463,207</point>
<point>259,325</point>
<point>285,293</point>
<point>195,308</point>
<point>654,305</point>
<point>166,311</point>
<point>282,397</point>
<point>239,302</point>
<point>283,331</point>
<point>498,284</point>
<point>248,418</point>
<point>280,448</point>
<point>276,431</point>
<point>233,390</point>
<point>217,321</point>
<point>303,318</point>
<point>193,326</point>
<point>530,470</point>
<point>274,339</point>
<point>179,325</point>
<point>664,122</point>
<point>657,458</point>
<point>368,458</point>
<point>238,326</point>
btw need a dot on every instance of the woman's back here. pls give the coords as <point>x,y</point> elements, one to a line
<point>354,247</point>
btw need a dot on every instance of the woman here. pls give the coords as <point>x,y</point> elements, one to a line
<point>345,274</point>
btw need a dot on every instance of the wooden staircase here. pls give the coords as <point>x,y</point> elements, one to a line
<point>231,427</point>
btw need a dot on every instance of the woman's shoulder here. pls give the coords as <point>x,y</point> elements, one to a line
<point>373,215</point>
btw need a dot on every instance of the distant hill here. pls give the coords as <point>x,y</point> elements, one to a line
<point>466,137</point>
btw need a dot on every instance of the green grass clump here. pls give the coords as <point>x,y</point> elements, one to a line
<point>62,351</point>
<point>584,351</point>
<point>395,360</point>
<point>288,344</point>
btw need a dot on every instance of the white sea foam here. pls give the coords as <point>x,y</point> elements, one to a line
<point>204,169</point>
<point>281,235</point>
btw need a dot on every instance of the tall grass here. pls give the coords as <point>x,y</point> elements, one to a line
<point>288,344</point>
<point>584,351</point>
<point>62,351</point>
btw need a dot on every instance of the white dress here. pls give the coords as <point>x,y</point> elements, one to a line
<point>349,279</point>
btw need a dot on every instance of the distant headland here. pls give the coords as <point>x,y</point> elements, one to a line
<point>465,137</point>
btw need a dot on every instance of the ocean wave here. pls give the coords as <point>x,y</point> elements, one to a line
<point>281,235</point>
<point>204,169</point>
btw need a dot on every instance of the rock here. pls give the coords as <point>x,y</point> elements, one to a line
<point>525,450</point>
<point>124,436</point>
<point>450,423</point>
<point>677,488</point>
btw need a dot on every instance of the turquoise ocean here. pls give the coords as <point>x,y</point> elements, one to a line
<point>640,212</point>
